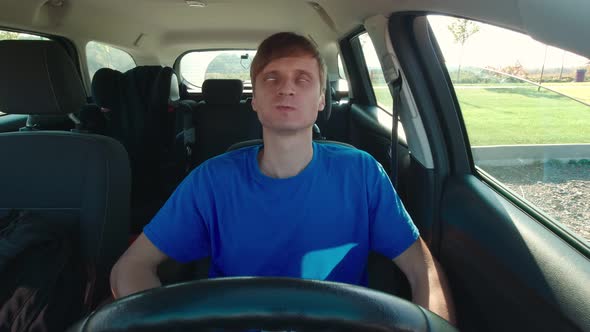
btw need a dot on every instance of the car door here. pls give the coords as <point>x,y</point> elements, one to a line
<point>511,265</point>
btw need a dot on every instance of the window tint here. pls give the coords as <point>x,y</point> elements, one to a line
<point>526,107</point>
<point>12,35</point>
<point>196,67</point>
<point>99,55</point>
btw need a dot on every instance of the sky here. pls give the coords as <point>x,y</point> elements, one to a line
<point>486,48</point>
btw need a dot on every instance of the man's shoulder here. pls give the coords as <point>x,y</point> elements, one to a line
<point>345,159</point>
<point>228,162</point>
<point>345,152</point>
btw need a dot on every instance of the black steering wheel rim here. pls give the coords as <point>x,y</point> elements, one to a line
<point>262,303</point>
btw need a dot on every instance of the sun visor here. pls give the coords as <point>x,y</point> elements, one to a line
<point>539,18</point>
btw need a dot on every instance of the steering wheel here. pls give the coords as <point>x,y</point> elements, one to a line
<point>261,303</point>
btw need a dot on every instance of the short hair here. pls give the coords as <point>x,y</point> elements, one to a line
<point>282,45</point>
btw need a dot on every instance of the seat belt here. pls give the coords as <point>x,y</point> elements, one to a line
<point>188,133</point>
<point>395,87</point>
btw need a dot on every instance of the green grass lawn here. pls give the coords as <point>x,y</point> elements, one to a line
<point>577,90</point>
<point>522,115</point>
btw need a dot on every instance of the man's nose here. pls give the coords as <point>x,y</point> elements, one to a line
<point>286,88</point>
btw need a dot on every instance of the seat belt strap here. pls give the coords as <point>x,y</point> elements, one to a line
<point>395,87</point>
<point>188,133</point>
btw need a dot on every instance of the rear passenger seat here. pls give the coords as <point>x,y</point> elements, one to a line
<point>222,119</point>
<point>139,111</point>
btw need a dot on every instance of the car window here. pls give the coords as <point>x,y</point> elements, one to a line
<point>378,85</point>
<point>342,83</point>
<point>526,108</point>
<point>13,35</point>
<point>382,94</point>
<point>197,66</point>
<point>99,55</point>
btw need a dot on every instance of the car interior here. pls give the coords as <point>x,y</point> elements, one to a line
<point>107,150</point>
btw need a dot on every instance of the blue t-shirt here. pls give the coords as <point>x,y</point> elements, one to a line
<point>320,224</point>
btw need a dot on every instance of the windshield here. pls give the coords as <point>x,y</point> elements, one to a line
<point>197,66</point>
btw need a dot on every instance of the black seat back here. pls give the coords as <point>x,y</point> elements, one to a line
<point>61,174</point>
<point>139,109</point>
<point>222,119</point>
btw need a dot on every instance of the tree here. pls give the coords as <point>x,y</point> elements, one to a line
<point>462,29</point>
<point>516,70</point>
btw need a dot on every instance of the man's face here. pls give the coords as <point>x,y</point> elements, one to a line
<point>287,94</point>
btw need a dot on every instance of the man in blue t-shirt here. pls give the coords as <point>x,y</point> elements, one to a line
<point>289,207</point>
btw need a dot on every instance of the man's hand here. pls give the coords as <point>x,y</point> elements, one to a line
<point>136,270</point>
<point>427,279</point>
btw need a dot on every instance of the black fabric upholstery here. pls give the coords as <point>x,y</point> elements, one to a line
<point>222,92</point>
<point>165,93</point>
<point>141,115</point>
<point>58,174</point>
<point>75,176</point>
<point>327,111</point>
<point>218,126</point>
<point>106,85</point>
<point>38,77</point>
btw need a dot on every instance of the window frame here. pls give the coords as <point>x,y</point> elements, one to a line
<point>451,115</point>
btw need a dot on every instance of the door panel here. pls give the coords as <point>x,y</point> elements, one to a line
<point>507,271</point>
<point>367,134</point>
<point>416,184</point>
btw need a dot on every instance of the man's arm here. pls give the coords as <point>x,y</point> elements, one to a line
<point>136,270</point>
<point>427,279</point>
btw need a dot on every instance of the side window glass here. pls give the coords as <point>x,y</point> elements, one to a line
<point>526,107</point>
<point>342,84</point>
<point>99,55</point>
<point>13,35</point>
<point>380,88</point>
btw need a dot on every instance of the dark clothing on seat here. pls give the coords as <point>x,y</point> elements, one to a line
<point>43,278</point>
<point>138,106</point>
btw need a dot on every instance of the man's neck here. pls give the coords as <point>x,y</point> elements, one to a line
<point>285,156</point>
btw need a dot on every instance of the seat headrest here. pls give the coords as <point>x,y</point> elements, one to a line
<point>222,91</point>
<point>41,68</point>
<point>106,87</point>
<point>328,98</point>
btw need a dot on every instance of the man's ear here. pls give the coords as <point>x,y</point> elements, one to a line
<point>254,103</point>
<point>322,103</point>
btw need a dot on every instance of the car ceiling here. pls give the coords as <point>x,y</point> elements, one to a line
<point>160,30</point>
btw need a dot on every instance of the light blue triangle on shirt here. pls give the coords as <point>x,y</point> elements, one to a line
<point>320,263</point>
